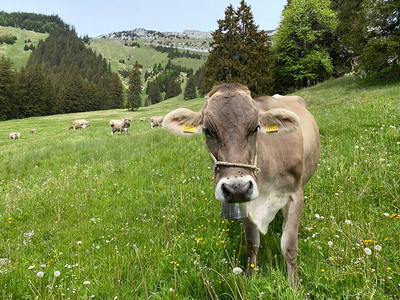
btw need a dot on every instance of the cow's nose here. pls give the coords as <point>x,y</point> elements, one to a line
<point>237,192</point>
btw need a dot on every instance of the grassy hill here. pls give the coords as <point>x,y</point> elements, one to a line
<point>16,52</point>
<point>135,216</point>
<point>115,51</point>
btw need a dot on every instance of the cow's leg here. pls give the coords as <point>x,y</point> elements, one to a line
<point>252,244</point>
<point>292,215</point>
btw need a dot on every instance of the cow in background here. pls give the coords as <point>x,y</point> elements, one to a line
<point>120,125</point>
<point>14,135</point>
<point>156,121</point>
<point>79,124</point>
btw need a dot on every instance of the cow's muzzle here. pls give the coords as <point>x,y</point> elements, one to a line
<point>236,190</point>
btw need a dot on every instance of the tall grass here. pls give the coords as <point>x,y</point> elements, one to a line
<point>134,216</point>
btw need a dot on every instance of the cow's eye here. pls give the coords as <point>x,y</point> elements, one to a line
<point>207,132</point>
<point>257,129</point>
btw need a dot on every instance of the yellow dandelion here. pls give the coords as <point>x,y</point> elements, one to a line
<point>322,270</point>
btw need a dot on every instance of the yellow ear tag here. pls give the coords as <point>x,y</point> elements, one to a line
<point>271,128</point>
<point>189,128</point>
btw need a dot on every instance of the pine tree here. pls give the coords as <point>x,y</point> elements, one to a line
<point>7,90</point>
<point>154,94</point>
<point>190,90</point>
<point>172,87</point>
<point>135,88</point>
<point>240,52</point>
<point>34,93</point>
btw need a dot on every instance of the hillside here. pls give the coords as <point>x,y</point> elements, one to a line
<point>115,51</point>
<point>135,216</point>
<point>16,51</point>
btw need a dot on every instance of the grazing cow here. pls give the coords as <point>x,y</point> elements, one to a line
<point>79,124</point>
<point>156,121</point>
<point>14,135</point>
<point>33,131</point>
<point>263,151</point>
<point>142,119</point>
<point>120,125</point>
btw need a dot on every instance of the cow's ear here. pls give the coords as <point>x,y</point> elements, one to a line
<point>183,121</point>
<point>278,121</point>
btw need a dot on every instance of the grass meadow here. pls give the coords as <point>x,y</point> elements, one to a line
<point>86,215</point>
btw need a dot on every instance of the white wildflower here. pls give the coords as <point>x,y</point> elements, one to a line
<point>86,283</point>
<point>57,273</point>
<point>330,243</point>
<point>40,274</point>
<point>378,247</point>
<point>348,222</point>
<point>317,216</point>
<point>237,271</point>
<point>367,251</point>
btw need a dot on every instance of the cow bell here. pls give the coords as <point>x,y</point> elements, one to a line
<point>234,211</point>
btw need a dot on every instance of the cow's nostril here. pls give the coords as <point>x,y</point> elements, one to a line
<point>226,192</point>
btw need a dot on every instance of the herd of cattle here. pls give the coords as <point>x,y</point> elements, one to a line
<point>121,125</point>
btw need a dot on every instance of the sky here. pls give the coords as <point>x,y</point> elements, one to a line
<point>94,18</point>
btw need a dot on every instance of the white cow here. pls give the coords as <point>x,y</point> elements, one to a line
<point>14,135</point>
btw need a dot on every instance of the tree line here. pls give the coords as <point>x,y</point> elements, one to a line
<point>32,21</point>
<point>173,52</point>
<point>62,76</point>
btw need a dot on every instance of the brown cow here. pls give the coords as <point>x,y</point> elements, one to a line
<point>156,121</point>
<point>120,125</point>
<point>264,151</point>
<point>142,119</point>
<point>79,124</point>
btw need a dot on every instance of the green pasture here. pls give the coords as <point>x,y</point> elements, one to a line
<point>86,215</point>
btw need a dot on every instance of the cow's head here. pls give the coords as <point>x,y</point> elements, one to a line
<point>231,123</point>
<point>127,122</point>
